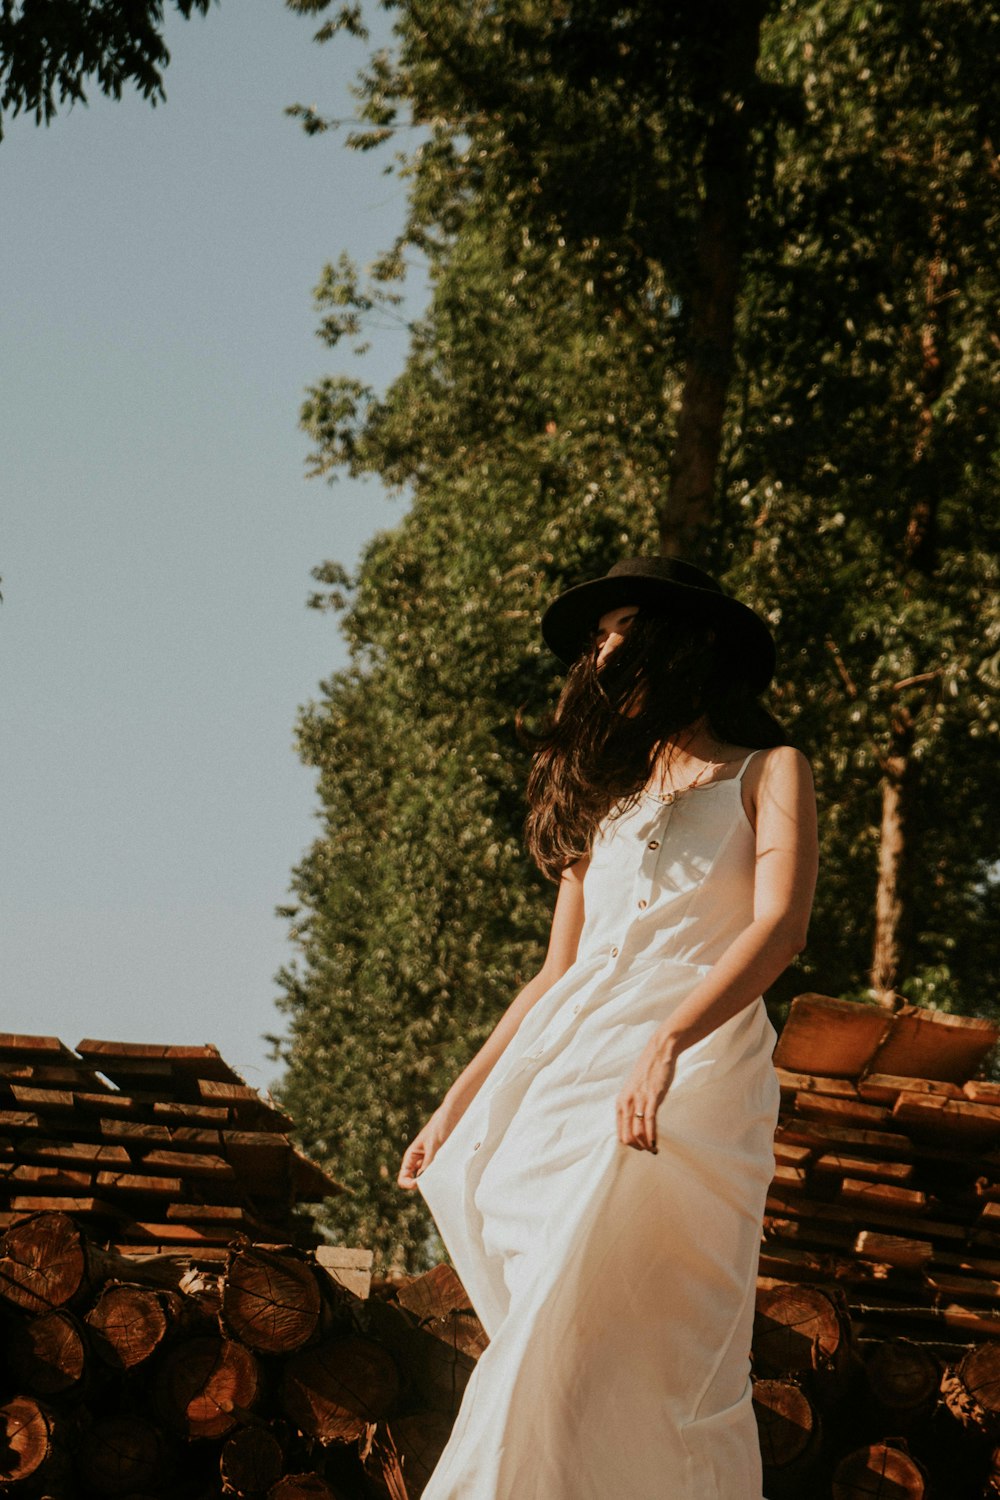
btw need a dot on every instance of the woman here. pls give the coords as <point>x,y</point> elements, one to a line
<point>598,1171</point>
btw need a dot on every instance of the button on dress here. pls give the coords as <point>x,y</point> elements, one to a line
<point>617,1286</point>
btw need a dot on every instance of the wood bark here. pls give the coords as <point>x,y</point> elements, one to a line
<point>687,513</point>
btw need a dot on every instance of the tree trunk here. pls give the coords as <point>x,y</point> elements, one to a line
<point>687,512</point>
<point>891,954</point>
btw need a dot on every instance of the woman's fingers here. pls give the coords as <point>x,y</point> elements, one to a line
<point>414,1161</point>
<point>637,1124</point>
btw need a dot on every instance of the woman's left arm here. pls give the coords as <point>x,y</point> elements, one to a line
<point>784,882</point>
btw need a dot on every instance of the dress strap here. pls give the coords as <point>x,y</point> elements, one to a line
<point>739,773</point>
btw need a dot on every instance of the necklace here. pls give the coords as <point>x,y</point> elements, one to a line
<point>671,796</point>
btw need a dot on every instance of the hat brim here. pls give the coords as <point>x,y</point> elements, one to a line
<point>569,622</point>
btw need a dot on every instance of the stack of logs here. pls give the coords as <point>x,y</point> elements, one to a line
<point>877,1342</point>
<point>133,1377</point>
<point>150,1146</point>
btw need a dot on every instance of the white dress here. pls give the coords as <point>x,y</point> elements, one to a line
<point>617,1287</point>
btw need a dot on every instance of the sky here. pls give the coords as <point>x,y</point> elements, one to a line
<point>157,530</point>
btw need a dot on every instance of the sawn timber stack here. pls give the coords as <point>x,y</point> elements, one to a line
<point>151,1147</point>
<point>887,1168</point>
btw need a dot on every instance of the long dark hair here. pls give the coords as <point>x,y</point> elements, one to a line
<point>611,723</point>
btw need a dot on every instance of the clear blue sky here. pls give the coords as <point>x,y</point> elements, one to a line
<point>156,337</point>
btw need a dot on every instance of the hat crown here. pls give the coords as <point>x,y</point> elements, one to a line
<point>670,569</point>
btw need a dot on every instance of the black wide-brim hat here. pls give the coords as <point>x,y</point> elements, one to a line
<point>569,622</point>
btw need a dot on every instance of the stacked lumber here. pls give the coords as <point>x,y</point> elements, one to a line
<point>877,1339</point>
<point>265,1377</point>
<point>154,1148</point>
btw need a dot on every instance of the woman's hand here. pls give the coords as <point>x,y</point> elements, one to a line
<point>424,1147</point>
<point>644,1092</point>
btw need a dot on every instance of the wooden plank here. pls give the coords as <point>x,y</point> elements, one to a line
<point>883,1195</point>
<point>795,1206</point>
<point>29,1048</point>
<point>950,1119</point>
<point>950,1285</point>
<point>45,1075</point>
<point>165,1234</point>
<point>72,1152</point>
<point>893,1250</point>
<point>883,1088</point>
<point>209,1213</point>
<point>821,1134</point>
<point>792,1156</point>
<point>20,1119</point>
<point>935,1044</point>
<point>39,1203</point>
<point>132,1130</point>
<point>26,1096</point>
<point>138,1182</point>
<point>981,1092</point>
<point>50,1179</point>
<point>839,1164</point>
<point>793,1083</point>
<point>173,1112</point>
<point>851,1111</point>
<point>824,1035</point>
<point>976,1325</point>
<point>186,1164</point>
<point>191,1061</point>
<point>247,1105</point>
<point>790,1178</point>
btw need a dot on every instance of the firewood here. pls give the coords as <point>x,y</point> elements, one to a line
<point>790,1433</point>
<point>129,1323</point>
<point>206,1385</point>
<point>252,1461</point>
<point>879,1472</point>
<point>270,1302</point>
<point>332,1392</point>
<point>799,1327</point>
<point>43,1262</point>
<point>25,1439</point>
<point>302,1487</point>
<point>121,1455</point>
<point>902,1379</point>
<point>971,1390</point>
<point>47,1354</point>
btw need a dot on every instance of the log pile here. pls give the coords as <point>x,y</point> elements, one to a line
<point>151,1147</point>
<point>876,1350</point>
<point>126,1376</point>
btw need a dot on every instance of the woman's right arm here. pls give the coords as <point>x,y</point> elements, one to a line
<point>564,939</point>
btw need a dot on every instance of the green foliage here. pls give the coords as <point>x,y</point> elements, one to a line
<point>49,48</point>
<point>553,197</point>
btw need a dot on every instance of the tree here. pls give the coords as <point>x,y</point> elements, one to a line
<point>50,48</point>
<point>560,197</point>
